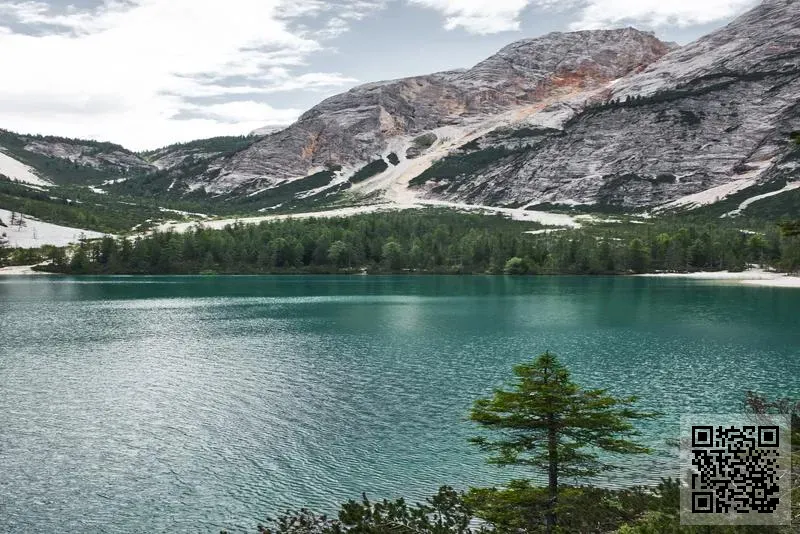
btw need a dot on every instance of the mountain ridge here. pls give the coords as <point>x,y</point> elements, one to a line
<point>595,118</point>
<point>713,113</point>
<point>354,127</point>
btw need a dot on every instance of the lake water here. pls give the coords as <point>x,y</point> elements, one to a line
<point>132,404</point>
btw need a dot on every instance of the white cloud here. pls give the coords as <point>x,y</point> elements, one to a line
<point>124,71</point>
<point>478,16</point>
<point>493,16</point>
<point>245,113</point>
<point>658,13</point>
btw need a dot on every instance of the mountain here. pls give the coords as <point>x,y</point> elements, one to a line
<point>701,123</point>
<point>612,119</point>
<point>371,121</point>
<point>181,154</point>
<point>58,160</point>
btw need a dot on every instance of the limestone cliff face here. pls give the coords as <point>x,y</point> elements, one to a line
<point>715,115</point>
<point>350,129</point>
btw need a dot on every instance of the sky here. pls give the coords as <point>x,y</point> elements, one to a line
<point>148,73</point>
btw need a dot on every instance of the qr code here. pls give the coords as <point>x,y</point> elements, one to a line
<point>735,471</point>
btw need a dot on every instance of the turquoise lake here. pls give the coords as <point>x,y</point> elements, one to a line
<point>178,404</point>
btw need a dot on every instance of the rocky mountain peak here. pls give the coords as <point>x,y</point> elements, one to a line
<point>603,54</point>
<point>767,38</point>
<point>705,121</point>
<point>355,127</point>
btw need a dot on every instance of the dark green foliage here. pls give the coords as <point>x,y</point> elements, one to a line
<point>421,144</point>
<point>639,256</point>
<point>436,241</point>
<point>733,201</point>
<point>169,185</point>
<point>662,516</point>
<point>444,513</point>
<point>456,165</point>
<point>521,507</point>
<point>785,206</point>
<point>17,141</point>
<point>287,191</point>
<point>4,250</point>
<point>212,145</point>
<point>791,229</point>
<point>442,241</point>
<point>795,136</point>
<point>76,207</point>
<point>516,266</point>
<point>163,184</point>
<point>424,141</point>
<point>369,170</point>
<point>548,423</point>
<point>520,133</point>
<point>756,403</point>
<point>393,256</point>
<point>393,159</point>
<point>60,170</point>
<point>471,146</point>
<point>155,188</point>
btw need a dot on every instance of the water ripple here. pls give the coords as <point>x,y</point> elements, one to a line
<point>161,405</point>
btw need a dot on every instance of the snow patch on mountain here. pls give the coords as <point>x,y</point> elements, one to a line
<point>15,170</point>
<point>743,206</point>
<point>35,233</point>
<point>716,194</point>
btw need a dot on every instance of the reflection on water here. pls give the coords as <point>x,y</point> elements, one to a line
<point>196,403</point>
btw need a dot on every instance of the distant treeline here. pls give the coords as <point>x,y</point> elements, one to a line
<point>434,242</point>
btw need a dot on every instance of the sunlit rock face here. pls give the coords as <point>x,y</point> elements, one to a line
<point>715,116</point>
<point>612,117</point>
<point>355,127</point>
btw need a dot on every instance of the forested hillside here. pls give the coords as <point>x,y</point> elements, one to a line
<point>437,241</point>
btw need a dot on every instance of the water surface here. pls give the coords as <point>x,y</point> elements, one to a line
<point>131,404</point>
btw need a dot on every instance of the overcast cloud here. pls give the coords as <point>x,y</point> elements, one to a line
<point>146,73</point>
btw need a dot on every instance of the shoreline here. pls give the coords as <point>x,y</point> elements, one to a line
<point>752,277</point>
<point>22,270</point>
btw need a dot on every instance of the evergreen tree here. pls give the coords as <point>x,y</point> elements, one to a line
<point>638,256</point>
<point>444,513</point>
<point>339,254</point>
<point>392,254</point>
<point>791,229</point>
<point>549,423</point>
<point>442,242</point>
<point>3,247</point>
<point>515,266</point>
